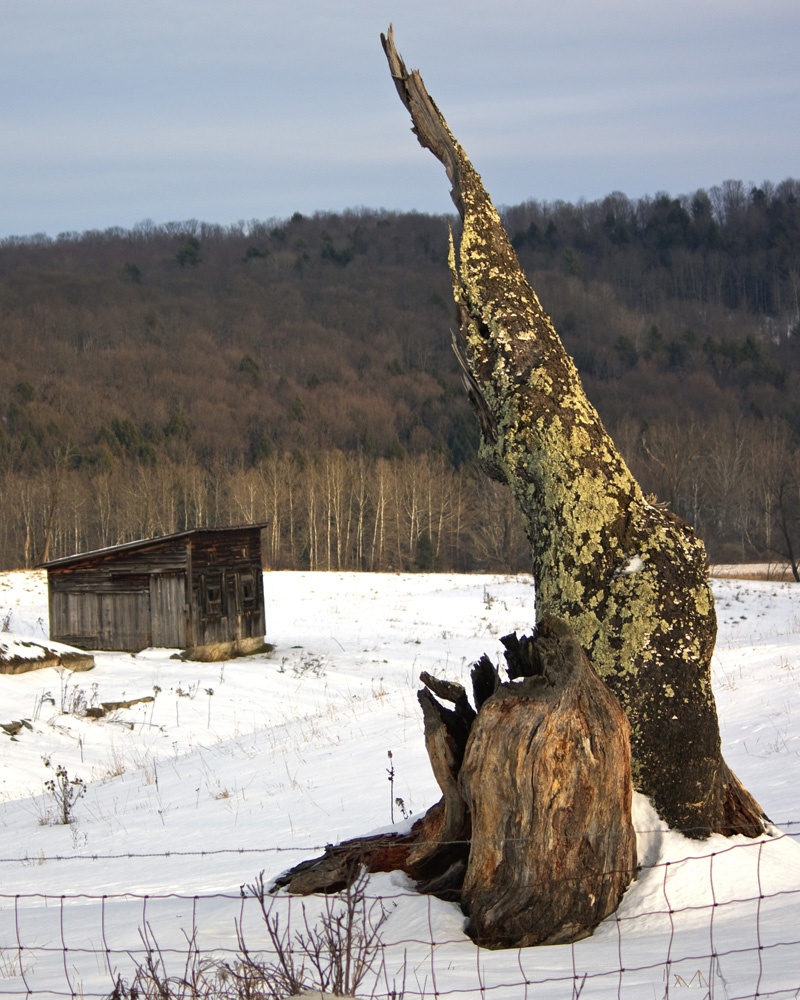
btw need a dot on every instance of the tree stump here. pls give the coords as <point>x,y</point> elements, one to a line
<point>533,834</point>
<point>547,780</point>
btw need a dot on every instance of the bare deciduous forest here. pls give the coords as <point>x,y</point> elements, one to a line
<point>299,372</point>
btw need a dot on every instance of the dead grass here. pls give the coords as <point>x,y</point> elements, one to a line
<point>778,572</point>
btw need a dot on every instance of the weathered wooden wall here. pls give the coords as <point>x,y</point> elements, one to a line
<point>187,591</point>
<point>228,564</point>
<point>104,600</point>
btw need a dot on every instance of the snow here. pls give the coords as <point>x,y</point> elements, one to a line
<point>634,565</point>
<point>257,763</point>
<point>20,647</point>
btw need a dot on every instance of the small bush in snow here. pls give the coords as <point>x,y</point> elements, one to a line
<point>65,790</point>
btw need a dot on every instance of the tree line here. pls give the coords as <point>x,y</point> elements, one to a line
<point>153,378</point>
<point>329,512</point>
<point>738,483</point>
<point>730,246</point>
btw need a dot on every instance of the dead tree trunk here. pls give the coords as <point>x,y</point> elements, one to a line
<point>533,834</point>
<point>627,575</point>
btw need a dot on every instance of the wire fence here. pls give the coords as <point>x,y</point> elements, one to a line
<point>719,923</point>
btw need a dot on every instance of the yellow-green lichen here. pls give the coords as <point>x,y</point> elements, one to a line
<point>626,575</point>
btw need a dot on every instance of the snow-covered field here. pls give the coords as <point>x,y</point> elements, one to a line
<point>254,764</point>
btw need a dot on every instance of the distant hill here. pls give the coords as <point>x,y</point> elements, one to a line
<point>148,376</point>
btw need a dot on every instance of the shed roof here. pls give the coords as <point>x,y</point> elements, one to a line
<point>144,543</point>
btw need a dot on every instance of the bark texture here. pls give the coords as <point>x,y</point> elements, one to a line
<point>533,834</point>
<point>629,576</point>
<point>546,778</point>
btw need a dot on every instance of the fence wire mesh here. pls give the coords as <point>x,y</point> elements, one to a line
<point>735,935</point>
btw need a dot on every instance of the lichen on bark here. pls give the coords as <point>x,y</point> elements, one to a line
<point>629,576</point>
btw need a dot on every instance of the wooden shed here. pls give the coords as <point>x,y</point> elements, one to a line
<point>200,590</point>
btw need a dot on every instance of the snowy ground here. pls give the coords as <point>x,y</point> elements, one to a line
<point>251,765</point>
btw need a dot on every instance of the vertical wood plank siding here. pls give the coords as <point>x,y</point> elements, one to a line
<point>191,589</point>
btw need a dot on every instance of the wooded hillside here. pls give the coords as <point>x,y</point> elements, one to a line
<point>300,372</point>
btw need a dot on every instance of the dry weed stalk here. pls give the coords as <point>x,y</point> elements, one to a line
<point>332,956</point>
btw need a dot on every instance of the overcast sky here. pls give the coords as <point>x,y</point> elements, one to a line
<point>114,111</point>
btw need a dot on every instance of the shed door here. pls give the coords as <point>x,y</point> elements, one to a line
<point>167,604</point>
<point>251,609</point>
<point>125,620</point>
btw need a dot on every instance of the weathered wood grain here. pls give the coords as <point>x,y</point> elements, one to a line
<point>547,781</point>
